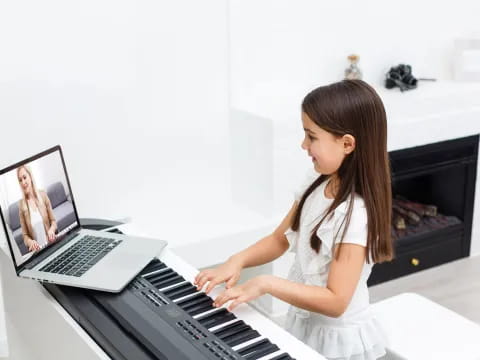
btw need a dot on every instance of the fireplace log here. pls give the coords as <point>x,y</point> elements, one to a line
<point>398,221</point>
<point>411,216</point>
<point>419,209</point>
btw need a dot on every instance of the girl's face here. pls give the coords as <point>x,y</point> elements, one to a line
<point>326,150</point>
<point>24,181</point>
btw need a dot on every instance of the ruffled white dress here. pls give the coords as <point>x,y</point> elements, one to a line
<point>355,335</point>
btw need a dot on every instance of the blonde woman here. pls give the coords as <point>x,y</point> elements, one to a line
<point>35,211</point>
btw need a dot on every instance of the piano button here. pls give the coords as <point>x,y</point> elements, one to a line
<point>168,282</point>
<point>241,337</point>
<point>180,290</point>
<point>216,318</point>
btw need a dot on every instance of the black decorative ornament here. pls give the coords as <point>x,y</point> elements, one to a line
<point>402,77</point>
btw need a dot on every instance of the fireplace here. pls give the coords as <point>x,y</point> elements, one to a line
<point>442,175</point>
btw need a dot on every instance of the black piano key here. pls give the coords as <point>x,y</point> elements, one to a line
<point>153,266</point>
<point>168,282</point>
<point>228,328</point>
<point>216,318</point>
<point>241,337</point>
<point>200,308</point>
<point>262,351</point>
<point>258,349</point>
<point>237,330</point>
<point>180,290</point>
<point>283,356</point>
<point>192,300</point>
<point>195,302</point>
<point>160,275</point>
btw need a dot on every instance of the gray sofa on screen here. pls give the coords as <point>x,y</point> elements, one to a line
<point>62,210</point>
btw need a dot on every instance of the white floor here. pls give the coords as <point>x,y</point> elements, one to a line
<point>455,285</point>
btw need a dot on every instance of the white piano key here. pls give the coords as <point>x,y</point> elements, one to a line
<point>272,355</point>
<point>215,328</point>
<point>251,341</point>
<point>154,272</point>
<point>204,313</point>
<point>170,286</point>
<point>186,296</point>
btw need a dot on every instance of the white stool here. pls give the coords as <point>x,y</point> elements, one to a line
<point>419,329</point>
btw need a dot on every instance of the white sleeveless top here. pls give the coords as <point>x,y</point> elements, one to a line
<point>38,227</point>
<point>355,335</point>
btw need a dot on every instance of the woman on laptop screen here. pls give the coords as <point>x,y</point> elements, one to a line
<point>35,211</point>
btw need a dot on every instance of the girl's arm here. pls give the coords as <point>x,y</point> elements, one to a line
<point>265,250</point>
<point>331,300</point>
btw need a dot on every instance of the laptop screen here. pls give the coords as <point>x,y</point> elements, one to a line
<point>36,204</point>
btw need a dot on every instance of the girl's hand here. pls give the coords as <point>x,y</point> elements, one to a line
<point>33,245</point>
<point>51,235</point>
<point>228,272</point>
<point>251,290</point>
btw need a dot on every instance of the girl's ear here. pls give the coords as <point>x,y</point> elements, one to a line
<point>348,143</point>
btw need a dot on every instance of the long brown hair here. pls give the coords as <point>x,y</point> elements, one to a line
<point>353,107</point>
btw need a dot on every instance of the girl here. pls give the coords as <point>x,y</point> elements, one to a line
<point>339,226</point>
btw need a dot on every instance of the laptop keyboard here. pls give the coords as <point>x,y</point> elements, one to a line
<point>81,256</point>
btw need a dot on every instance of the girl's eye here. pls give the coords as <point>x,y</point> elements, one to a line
<point>311,137</point>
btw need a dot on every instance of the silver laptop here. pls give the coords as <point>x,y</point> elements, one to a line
<point>46,239</point>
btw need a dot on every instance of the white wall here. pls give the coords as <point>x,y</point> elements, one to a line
<point>136,92</point>
<point>279,43</point>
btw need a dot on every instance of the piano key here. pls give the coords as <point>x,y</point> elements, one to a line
<point>198,304</point>
<point>204,313</point>
<point>214,328</point>
<point>241,337</point>
<point>154,276</point>
<point>200,308</point>
<point>180,290</point>
<point>248,343</point>
<point>168,282</point>
<point>152,267</point>
<point>192,299</point>
<point>282,356</point>
<point>258,349</point>
<point>159,272</point>
<point>215,318</point>
<point>230,329</point>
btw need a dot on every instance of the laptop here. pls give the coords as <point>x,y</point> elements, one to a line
<point>45,236</point>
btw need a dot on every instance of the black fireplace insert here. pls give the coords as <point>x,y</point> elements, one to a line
<point>433,187</point>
